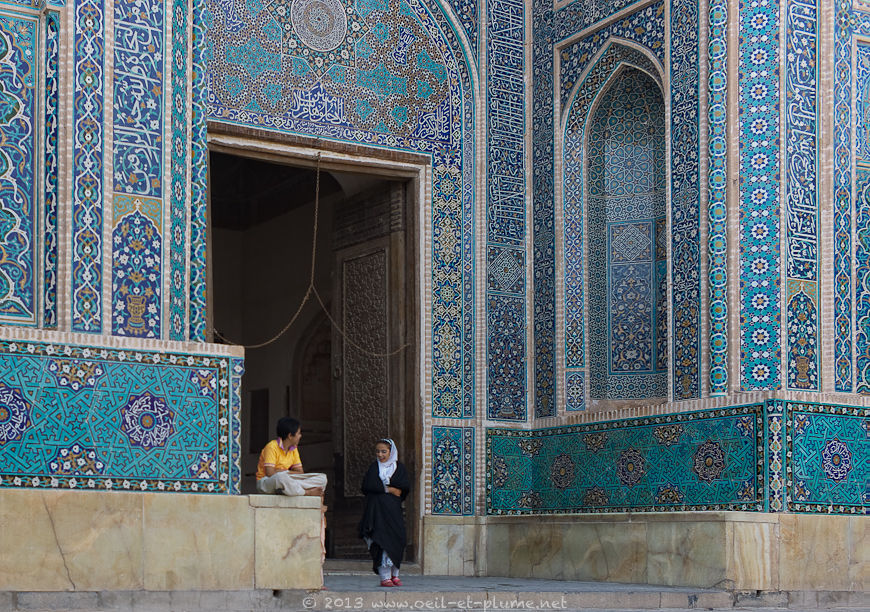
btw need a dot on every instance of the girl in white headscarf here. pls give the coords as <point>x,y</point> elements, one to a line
<point>385,485</point>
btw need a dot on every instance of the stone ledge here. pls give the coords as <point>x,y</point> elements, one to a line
<point>284,501</point>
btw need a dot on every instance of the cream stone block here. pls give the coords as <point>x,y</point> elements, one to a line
<point>859,553</point>
<point>435,546</point>
<point>70,540</point>
<point>498,546</point>
<point>813,552</point>
<point>198,542</point>
<point>611,552</point>
<point>686,553</point>
<point>285,501</point>
<point>753,556</point>
<point>288,548</point>
<point>536,549</point>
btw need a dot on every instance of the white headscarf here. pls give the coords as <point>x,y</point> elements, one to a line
<point>388,467</point>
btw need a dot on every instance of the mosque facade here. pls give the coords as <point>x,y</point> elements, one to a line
<point>639,261</point>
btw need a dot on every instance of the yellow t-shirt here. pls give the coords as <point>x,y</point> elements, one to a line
<point>274,455</point>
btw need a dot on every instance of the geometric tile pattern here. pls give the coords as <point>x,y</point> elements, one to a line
<point>828,447</point>
<point>708,460</point>
<point>179,164</point>
<point>87,171</point>
<point>801,210</point>
<point>387,74</point>
<point>19,78</point>
<point>717,213</point>
<point>685,213</point>
<point>89,418</point>
<point>759,117</point>
<point>453,470</point>
<point>506,331</point>
<point>52,169</point>
<point>199,175</point>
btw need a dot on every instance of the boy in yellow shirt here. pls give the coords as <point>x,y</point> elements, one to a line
<point>280,467</point>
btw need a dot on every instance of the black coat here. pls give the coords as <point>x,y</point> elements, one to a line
<point>382,519</point>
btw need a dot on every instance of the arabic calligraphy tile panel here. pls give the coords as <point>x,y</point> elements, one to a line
<point>710,460</point>
<point>453,470</point>
<point>801,214</point>
<point>18,180</point>
<point>828,448</point>
<point>506,207</point>
<point>50,189</point>
<point>140,420</point>
<point>758,99</point>
<point>87,186</point>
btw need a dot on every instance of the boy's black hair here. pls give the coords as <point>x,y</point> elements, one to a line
<point>287,426</point>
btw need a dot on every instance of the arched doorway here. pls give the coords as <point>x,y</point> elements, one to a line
<point>328,369</point>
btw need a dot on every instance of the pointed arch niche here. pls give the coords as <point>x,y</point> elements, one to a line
<point>615,235</point>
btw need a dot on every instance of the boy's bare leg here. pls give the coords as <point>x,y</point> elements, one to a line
<point>318,491</point>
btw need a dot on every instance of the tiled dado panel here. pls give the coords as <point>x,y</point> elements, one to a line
<point>741,458</point>
<point>95,418</point>
<point>385,74</point>
<point>453,470</point>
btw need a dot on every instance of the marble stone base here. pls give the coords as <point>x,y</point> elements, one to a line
<point>731,550</point>
<point>55,540</point>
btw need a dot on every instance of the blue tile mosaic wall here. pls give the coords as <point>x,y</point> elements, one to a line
<point>627,254</point>
<point>137,128</point>
<point>685,209</point>
<point>717,211</point>
<point>179,164</point>
<point>759,117</point>
<point>51,171</point>
<point>91,418</point>
<point>506,224</point>
<point>801,198</point>
<point>453,470</point>
<point>199,174</point>
<point>87,171</point>
<point>19,133</point>
<point>712,460</point>
<point>386,74</point>
<point>772,456</point>
<point>842,261</point>
<point>859,25</point>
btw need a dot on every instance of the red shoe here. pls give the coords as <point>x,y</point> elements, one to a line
<point>396,581</point>
<point>387,583</point>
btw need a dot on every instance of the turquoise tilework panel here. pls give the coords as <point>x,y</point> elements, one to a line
<point>453,470</point>
<point>52,169</point>
<point>801,196</point>
<point>829,458</point>
<point>708,460</point>
<point>87,170</point>
<point>862,278</point>
<point>759,214</point>
<point>19,134</point>
<point>88,418</point>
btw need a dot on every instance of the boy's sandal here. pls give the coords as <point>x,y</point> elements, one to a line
<point>387,583</point>
<point>396,581</point>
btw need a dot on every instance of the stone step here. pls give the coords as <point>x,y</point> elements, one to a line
<point>573,597</point>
